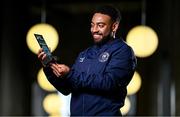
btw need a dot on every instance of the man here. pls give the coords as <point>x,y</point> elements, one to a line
<point>100,74</point>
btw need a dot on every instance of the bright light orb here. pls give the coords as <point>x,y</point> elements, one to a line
<point>51,104</point>
<point>143,40</point>
<point>134,85</point>
<point>43,82</point>
<point>49,33</point>
<point>127,105</point>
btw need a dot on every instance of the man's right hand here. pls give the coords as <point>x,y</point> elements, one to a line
<point>41,56</point>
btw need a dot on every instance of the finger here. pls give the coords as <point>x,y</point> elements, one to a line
<point>44,56</point>
<point>56,68</point>
<point>40,55</point>
<point>56,73</point>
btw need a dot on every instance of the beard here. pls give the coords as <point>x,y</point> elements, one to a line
<point>104,40</point>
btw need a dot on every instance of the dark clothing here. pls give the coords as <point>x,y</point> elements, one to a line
<point>98,79</point>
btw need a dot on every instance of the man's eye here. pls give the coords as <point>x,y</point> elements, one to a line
<point>92,25</point>
<point>101,26</point>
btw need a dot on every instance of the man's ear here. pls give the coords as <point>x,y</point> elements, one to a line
<point>115,26</point>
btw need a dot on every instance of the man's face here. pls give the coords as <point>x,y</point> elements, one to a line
<point>101,27</point>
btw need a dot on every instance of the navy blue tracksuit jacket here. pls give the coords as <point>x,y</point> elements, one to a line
<point>98,79</point>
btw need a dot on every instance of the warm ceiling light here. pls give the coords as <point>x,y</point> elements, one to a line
<point>143,40</point>
<point>43,82</point>
<point>134,84</point>
<point>49,33</point>
<point>127,105</point>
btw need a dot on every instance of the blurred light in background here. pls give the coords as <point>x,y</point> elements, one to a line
<point>135,84</point>
<point>143,39</point>
<point>127,105</point>
<point>49,33</point>
<point>43,82</point>
<point>52,104</point>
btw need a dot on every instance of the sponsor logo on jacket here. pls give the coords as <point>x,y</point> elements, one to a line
<point>81,59</point>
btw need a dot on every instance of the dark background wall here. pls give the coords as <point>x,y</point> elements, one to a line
<point>19,66</point>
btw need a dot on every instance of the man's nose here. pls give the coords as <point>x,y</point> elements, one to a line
<point>95,29</point>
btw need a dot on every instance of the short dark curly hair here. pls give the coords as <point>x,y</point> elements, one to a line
<point>109,10</point>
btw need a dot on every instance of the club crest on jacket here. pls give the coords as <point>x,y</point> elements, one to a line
<point>104,57</point>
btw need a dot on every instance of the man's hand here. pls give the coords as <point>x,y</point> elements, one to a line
<point>59,69</point>
<point>41,56</point>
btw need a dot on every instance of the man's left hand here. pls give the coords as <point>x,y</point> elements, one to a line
<point>59,70</point>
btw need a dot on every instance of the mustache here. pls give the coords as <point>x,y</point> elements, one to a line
<point>96,33</point>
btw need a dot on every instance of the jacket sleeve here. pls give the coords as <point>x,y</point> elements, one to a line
<point>60,84</point>
<point>118,72</point>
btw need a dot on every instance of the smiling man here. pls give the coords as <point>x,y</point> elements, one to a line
<point>101,73</point>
